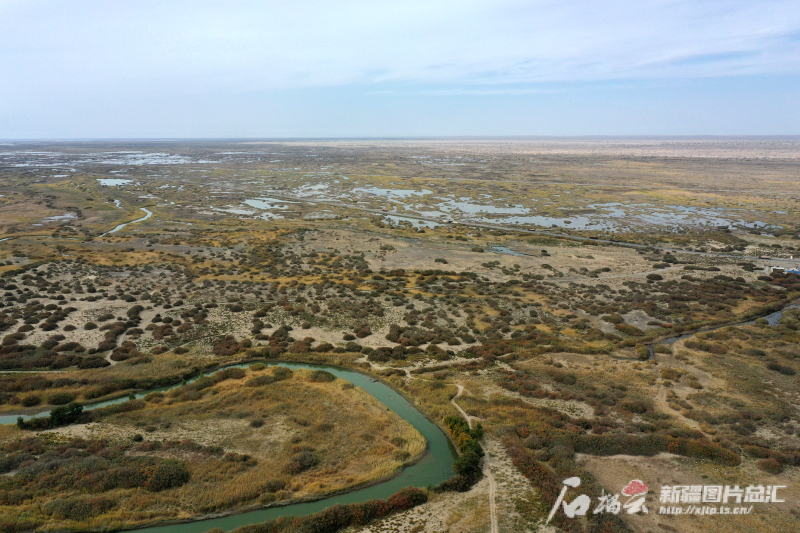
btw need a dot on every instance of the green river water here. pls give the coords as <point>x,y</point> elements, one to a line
<point>434,467</point>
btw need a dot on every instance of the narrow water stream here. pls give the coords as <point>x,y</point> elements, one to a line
<point>772,319</point>
<point>147,215</point>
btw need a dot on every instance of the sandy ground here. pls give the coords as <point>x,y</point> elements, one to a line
<point>238,437</point>
<point>665,469</point>
<point>468,512</point>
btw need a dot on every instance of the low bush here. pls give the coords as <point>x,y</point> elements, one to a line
<point>770,465</point>
<point>338,517</point>
<point>301,462</point>
<point>785,370</point>
<point>627,329</point>
<point>321,376</point>
<point>60,398</point>
<point>259,381</point>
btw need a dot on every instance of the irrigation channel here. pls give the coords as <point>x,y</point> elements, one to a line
<point>772,319</point>
<point>433,468</point>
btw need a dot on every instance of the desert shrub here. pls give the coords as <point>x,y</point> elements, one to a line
<point>31,400</point>
<point>229,373</point>
<point>338,517</point>
<point>652,444</point>
<point>69,347</point>
<point>785,370</point>
<point>718,349</point>
<point>93,361</point>
<point>79,509</point>
<point>352,347</point>
<point>259,381</point>
<point>301,462</point>
<point>154,397</point>
<point>167,475</point>
<point>770,465</point>
<point>671,373</point>
<point>627,329</point>
<point>13,461</point>
<point>60,398</point>
<point>274,485</point>
<point>190,396</point>
<point>637,406</point>
<point>321,376</point>
<point>325,347</point>
<point>226,346</point>
<point>612,319</point>
<point>126,351</point>
<point>280,373</point>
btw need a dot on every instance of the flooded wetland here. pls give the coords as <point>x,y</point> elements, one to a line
<point>394,335</point>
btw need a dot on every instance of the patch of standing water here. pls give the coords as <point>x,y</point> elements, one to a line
<point>398,193</point>
<point>235,211</point>
<point>113,182</point>
<point>575,222</point>
<point>266,215</point>
<point>269,203</point>
<point>504,250</point>
<point>309,190</point>
<point>417,223</point>
<point>462,205</point>
<point>56,218</point>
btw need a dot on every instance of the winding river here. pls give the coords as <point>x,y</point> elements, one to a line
<point>147,215</point>
<point>433,468</point>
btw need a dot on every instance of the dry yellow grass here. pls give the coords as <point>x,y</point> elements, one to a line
<point>354,438</point>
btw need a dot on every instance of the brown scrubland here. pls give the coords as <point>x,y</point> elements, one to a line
<point>555,335</point>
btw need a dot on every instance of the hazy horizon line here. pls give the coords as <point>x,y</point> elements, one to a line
<point>405,138</point>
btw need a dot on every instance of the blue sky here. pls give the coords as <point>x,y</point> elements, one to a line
<point>156,69</point>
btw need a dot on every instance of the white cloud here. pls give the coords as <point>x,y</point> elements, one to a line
<point>146,46</point>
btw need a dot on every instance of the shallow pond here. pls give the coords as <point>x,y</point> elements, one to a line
<point>113,182</point>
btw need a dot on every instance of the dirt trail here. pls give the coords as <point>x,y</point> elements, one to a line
<point>486,470</point>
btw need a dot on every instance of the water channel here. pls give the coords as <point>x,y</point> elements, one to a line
<point>772,320</point>
<point>147,215</point>
<point>434,467</point>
